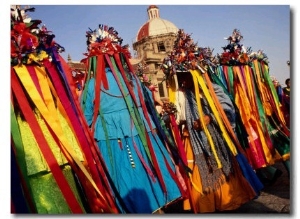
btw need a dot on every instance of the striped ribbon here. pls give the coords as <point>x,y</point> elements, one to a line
<point>76,120</point>
<point>42,142</point>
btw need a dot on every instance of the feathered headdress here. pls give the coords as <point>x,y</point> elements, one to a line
<point>235,53</point>
<point>186,55</point>
<point>29,42</point>
<point>105,40</point>
<point>31,47</point>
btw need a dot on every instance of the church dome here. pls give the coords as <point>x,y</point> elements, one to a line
<point>155,25</point>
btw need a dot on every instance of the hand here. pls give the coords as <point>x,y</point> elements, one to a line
<point>197,124</point>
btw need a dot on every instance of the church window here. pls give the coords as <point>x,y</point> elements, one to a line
<point>161,46</point>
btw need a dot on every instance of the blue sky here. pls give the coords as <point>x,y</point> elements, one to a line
<point>265,27</point>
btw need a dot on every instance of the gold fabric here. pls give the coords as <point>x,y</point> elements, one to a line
<point>230,195</point>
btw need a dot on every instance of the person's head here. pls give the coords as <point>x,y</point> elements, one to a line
<point>287,82</point>
<point>185,80</point>
<point>275,81</point>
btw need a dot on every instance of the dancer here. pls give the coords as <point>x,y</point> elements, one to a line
<point>218,179</point>
<point>286,101</point>
<point>52,150</point>
<point>245,74</point>
<point>141,169</point>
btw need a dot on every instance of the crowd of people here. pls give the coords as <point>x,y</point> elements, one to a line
<point>108,149</point>
<point>283,94</point>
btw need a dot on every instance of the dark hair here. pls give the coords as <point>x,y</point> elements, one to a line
<point>287,81</point>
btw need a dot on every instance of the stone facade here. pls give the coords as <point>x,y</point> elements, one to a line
<point>155,40</point>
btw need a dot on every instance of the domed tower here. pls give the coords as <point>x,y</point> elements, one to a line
<point>154,40</point>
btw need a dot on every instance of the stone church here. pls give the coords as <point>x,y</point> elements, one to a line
<point>154,41</point>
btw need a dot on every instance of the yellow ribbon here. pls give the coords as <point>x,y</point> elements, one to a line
<point>37,57</point>
<point>48,111</point>
<point>201,115</point>
<point>209,98</point>
<point>246,102</point>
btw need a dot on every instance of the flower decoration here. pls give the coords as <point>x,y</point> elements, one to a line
<point>78,77</point>
<point>19,14</point>
<point>186,55</point>
<point>259,55</point>
<point>105,40</point>
<point>236,54</point>
<point>145,78</point>
<point>29,42</point>
<point>170,108</point>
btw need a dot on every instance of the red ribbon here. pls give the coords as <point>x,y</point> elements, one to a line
<point>43,145</point>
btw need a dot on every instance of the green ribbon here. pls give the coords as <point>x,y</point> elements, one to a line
<point>134,113</point>
<point>20,154</point>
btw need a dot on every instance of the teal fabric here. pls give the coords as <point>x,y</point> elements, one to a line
<point>113,106</point>
<point>131,179</point>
